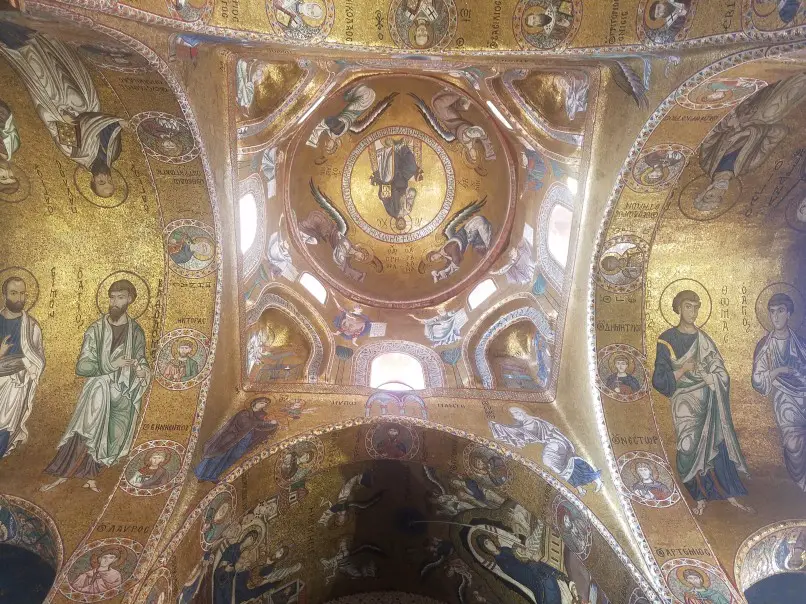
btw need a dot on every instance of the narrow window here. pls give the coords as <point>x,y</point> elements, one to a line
<point>247,209</point>
<point>314,287</point>
<point>396,371</point>
<point>481,292</point>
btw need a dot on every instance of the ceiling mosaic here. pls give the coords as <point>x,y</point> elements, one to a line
<point>326,301</point>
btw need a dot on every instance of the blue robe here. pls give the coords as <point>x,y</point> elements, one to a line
<point>538,577</point>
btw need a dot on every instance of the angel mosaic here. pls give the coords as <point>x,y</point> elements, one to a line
<point>329,225</point>
<point>465,229</point>
<point>353,562</point>
<point>446,116</point>
<point>559,453</point>
<point>66,100</point>
<point>351,324</point>
<point>248,75</point>
<point>357,115</point>
<point>346,501</point>
<point>269,360</point>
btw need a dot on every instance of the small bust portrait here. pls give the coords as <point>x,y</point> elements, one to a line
<point>421,34</point>
<point>182,366</point>
<point>103,574</point>
<point>294,465</point>
<point>648,487</point>
<point>622,380</point>
<point>153,473</point>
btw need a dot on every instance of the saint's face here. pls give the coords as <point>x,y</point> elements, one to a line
<point>779,316</point>
<point>16,296</point>
<point>104,186</point>
<point>644,472</point>
<point>118,303</point>
<point>157,459</point>
<point>621,366</point>
<point>421,36</point>
<point>694,580</point>
<point>6,175</point>
<point>689,310</point>
<point>107,559</point>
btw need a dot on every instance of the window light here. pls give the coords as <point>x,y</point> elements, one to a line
<point>314,287</point>
<point>481,292</point>
<point>392,370</point>
<point>247,209</point>
<point>573,184</point>
<point>559,236</point>
<point>499,115</point>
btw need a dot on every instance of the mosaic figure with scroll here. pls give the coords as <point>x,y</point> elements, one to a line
<point>559,453</point>
<point>746,137</point>
<point>465,229</point>
<point>329,225</point>
<point>359,99</point>
<point>113,361</point>
<point>779,371</point>
<point>66,100</point>
<point>446,117</point>
<point>22,361</point>
<point>691,372</point>
<point>9,144</point>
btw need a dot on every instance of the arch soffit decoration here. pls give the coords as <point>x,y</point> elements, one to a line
<point>557,195</point>
<point>428,359</point>
<point>268,299</point>
<point>149,549</point>
<point>269,452</point>
<point>654,120</point>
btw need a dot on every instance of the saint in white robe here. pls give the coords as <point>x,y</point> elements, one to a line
<point>19,377</point>
<point>788,393</point>
<point>66,100</point>
<point>105,417</point>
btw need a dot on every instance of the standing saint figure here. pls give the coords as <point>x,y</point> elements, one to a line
<point>559,453</point>
<point>691,372</point>
<point>66,100</point>
<point>22,361</point>
<point>779,371</point>
<point>244,431</point>
<point>746,137</point>
<point>9,144</point>
<point>113,361</point>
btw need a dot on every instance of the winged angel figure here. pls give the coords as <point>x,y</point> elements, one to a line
<point>329,225</point>
<point>354,118</point>
<point>466,228</point>
<point>446,117</point>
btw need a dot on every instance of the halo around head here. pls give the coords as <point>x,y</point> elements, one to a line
<point>683,570</point>
<point>611,362</point>
<point>762,314</point>
<point>82,179</point>
<point>677,286</point>
<point>692,207</point>
<point>136,308</point>
<point>23,186</point>
<point>194,345</point>
<point>31,284</point>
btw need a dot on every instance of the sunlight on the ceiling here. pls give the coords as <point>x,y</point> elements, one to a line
<point>559,236</point>
<point>314,287</point>
<point>499,115</point>
<point>396,371</point>
<point>481,292</point>
<point>573,184</point>
<point>247,210</point>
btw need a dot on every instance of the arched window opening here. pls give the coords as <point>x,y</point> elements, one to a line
<point>559,235</point>
<point>314,287</point>
<point>396,371</point>
<point>480,293</point>
<point>247,213</point>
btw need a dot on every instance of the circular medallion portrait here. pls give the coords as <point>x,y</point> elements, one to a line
<point>665,21</point>
<point>768,15</point>
<point>658,168</point>
<point>165,137</point>
<point>139,294</point>
<point>190,10</point>
<point>621,374</point>
<point>114,58</point>
<point>182,359</point>
<point>718,93</point>
<point>157,588</point>
<point>301,21</point>
<point>621,264</point>
<point>692,580</point>
<point>403,191</point>
<point>217,517</point>
<point>546,24</point>
<point>390,440</point>
<point>102,570</point>
<point>777,548</point>
<point>152,468</point>
<point>422,24</point>
<point>574,528</point>
<point>413,214</point>
<point>190,246</point>
<point>682,291</point>
<point>647,479</point>
<point>796,212</point>
<point>487,466</point>
<point>103,190</point>
<point>781,306</point>
<point>294,464</point>
<point>14,183</point>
